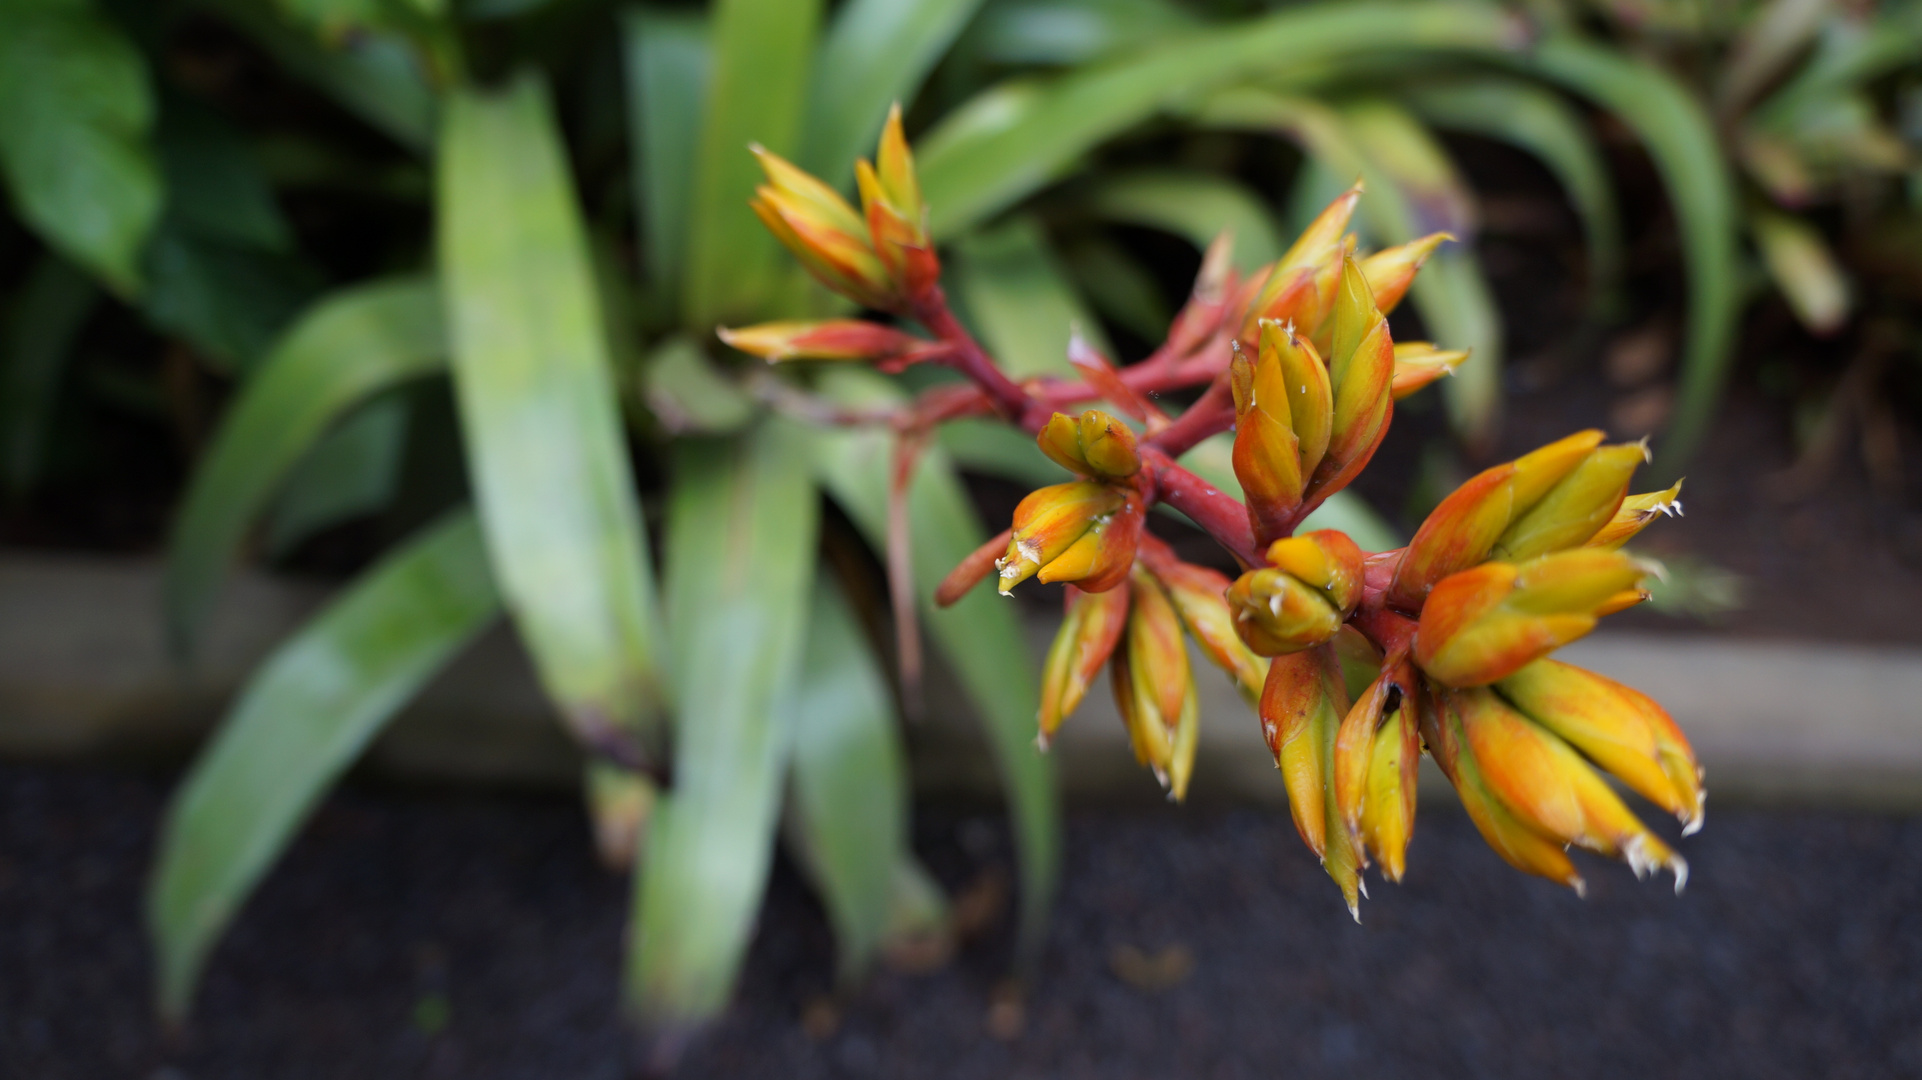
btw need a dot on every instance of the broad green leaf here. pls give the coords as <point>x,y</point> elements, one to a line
<point>666,56</point>
<point>1019,300</point>
<point>1681,139</point>
<point>44,318</point>
<point>850,793</point>
<point>539,414</point>
<point>303,718</point>
<point>875,54</point>
<point>350,346</point>
<point>1007,143</point>
<point>1543,124</point>
<point>351,472</point>
<point>1212,459</point>
<point>755,94</point>
<point>980,636</point>
<point>73,135</point>
<point>1061,32</point>
<point>740,558</point>
<point>1195,206</point>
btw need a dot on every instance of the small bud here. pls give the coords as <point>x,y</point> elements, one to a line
<point>1523,848</point>
<point>1089,631</point>
<point>1576,508</point>
<point>1284,413</point>
<point>1355,751</point>
<point>1301,284</point>
<point>1392,270</point>
<point>1096,445</point>
<point>1302,598</point>
<point>1302,699</point>
<point>1080,532</point>
<point>1418,363</point>
<point>1484,623</point>
<point>1636,513</point>
<point>825,339</point>
<point>815,223</point>
<point>1361,371</point>
<point>1388,807</point>
<point>1154,688</point>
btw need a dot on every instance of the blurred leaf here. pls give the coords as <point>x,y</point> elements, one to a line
<point>1803,267</point>
<point>1679,136</point>
<point>980,636</point>
<point>756,92</point>
<point>1019,301</point>
<point>1118,286</point>
<point>998,449</point>
<point>305,715</point>
<point>740,558</point>
<point>686,394</point>
<point>667,72</point>
<point>45,317</point>
<point>351,472</point>
<point>850,795</point>
<point>373,74</point>
<point>876,53</point>
<point>1194,206</point>
<point>348,347</point>
<point>1849,55</point>
<point>231,302</point>
<point>1771,37</point>
<point>1062,32</point>
<point>540,415</point>
<point>1008,142</point>
<point>1212,459</point>
<point>1694,588</point>
<point>216,189</point>
<point>1540,122</point>
<point>73,135</point>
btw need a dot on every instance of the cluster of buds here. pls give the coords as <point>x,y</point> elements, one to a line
<point>1445,643</point>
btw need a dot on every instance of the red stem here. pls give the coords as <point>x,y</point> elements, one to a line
<point>971,360</point>
<point>1220,515</point>
<point>1211,414</point>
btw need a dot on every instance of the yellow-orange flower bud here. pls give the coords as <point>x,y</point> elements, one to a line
<point>1576,508</point>
<point>1485,623</point>
<point>1361,372</point>
<point>1089,631</point>
<point>1284,415</point>
<point>1300,286</point>
<point>1080,532</point>
<point>896,216</point>
<point>1636,513</point>
<point>1302,705</point>
<point>1418,363</point>
<point>1154,688</point>
<point>1309,588</point>
<point>815,223</point>
<point>1095,445</point>
<point>1392,270</point>
<point>1199,595</point>
<point>825,339</point>
<point>1520,845</point>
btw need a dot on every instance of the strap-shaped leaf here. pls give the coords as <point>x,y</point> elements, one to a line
<point>980,636</point>
<point>348,347</point>
<point>352,471</point>
<point>666,64</point>
<point>756,92</point>
<point>1064,32</point>
<point>1002,146</point>
<point>876,53</point>
<point>850,795</point>
<point>1017,297</point>
<point>73,135</point>
<point>304,717</point>
<point>1195,206</point>
<point>539,414</point>
<point>740,558</point>
<point>1681,139</point>
<point>44,318</point>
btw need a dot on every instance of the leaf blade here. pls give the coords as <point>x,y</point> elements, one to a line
<point>875,53</point>
<point>666,62</point>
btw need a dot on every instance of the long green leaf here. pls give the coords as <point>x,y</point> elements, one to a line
<point>1543,124</point>
<point>349,347</point>
<point>1063,32</point>
<point>1681,139</point>
<point>740,556</point>
<point>980,636</point>
<point>73,135</point>
<point>850,794</point>
<point>1018,298</point>
<point>876,53</point>
<point>351,472</point>
<point>304,717</point>
<point>1002,146</point>
<point>667,70</point>
<point>45,317</point>
<point>1192,205</point>
<point>755,94</point>
<point>541,422</point>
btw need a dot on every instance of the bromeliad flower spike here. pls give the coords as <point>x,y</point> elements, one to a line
<point>1298,362</point>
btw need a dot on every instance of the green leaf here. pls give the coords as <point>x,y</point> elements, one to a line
<point>686,394</point>
<point>352,472</point>
<point>73,135</point>
<point>1118,286</point>
<point>303,718</point>
<point>350,346</point>
<point>1008,142</point>
<point>230,301</point>
<point>1018,299</point>
<point>980,636</point>
<point>1543,124</point>
<point>1194,206</point>
<point>215,187</point>
<point>850,794</point>
<point>755,94</point>
<point>999,449</point>
<point>45,317</point>
<point>875,54</point>
<point>1681,139</point>
<point>539,413</point>
<point>667,72</point>
<point>1061,32</point>
<point>740,559</point>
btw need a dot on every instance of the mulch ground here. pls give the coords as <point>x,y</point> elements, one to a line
<point>472,936</point>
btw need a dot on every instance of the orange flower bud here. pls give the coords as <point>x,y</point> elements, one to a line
<point>1300,285</point>
<point>824,339</point>
<point>1355,749</point>
<point>1617,727</point>
<point>1418,363</point>
<point>1154,688</point>
<point>1482,624</point>
<point>1096,445</point>
<point>1636,513</point>
<point>896,216</point>
<point>1301,709</point>
<point>1523,848</point>
<point>1283,419</point>
<point>1199,596</point>
<point>1547,785</point>
<point>1310,588</point>
<point>1079,532</point>
<point>1576,508</point>
<point>1388,806</point>
<point>1392,270</point>
<point>1089,631</point>
<point>815,223</point>
<point>1361,371</point>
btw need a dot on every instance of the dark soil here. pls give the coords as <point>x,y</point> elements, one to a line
<point>476,937</point>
